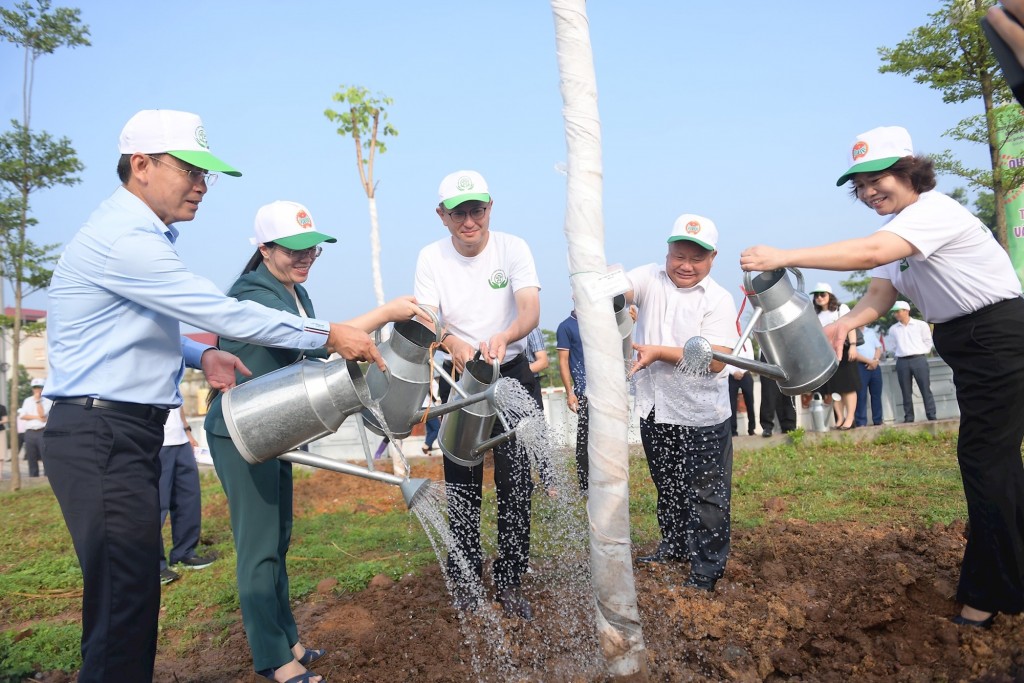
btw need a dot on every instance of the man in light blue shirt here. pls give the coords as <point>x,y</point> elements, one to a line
<point>117,356</point>
<point>869,355</point>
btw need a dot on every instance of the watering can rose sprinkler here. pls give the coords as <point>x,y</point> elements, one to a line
<point>786,328</point>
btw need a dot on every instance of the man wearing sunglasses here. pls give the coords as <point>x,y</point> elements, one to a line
<point>484,285</point>
<point>117,356</point>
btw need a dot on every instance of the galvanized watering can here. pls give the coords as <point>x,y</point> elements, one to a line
<point>269,416</point>
<point>788,331</point>
<point>401,391</point>
<point>469,421</point>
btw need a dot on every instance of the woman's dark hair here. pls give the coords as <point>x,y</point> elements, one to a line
<point>833,302</point>
<point>918,171</point>
<point>255,260</point>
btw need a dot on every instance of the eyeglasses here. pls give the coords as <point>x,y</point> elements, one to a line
<point>195,175</point>
<point>299,254</point>
<point>476,213</point>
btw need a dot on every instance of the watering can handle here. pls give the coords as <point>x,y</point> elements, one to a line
<point>436,319</point>
<point>496,367</point>
<point>799,278</point>
<point>748,285</point>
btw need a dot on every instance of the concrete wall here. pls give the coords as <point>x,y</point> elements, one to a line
<point>346,443</point>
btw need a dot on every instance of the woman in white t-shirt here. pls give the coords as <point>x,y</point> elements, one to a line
<point>845,381</point>
<point>942,257</point>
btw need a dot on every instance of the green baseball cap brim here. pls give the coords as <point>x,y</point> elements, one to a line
<point>452,202</point>
<point>867,167</point>
<point>206,161</point>
<point>305,240</point>
<point>680,238</point>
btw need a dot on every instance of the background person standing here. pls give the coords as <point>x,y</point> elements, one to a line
<point>910,340</point>
<point>869,355</point>
<point>34,412</point>
<point>180,497</point>
<point>572,369</point>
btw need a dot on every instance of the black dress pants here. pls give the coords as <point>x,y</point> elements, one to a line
<point>744,384</point>
<point>775,403</point>
<point>984,351</point>
<point>513,486</point>
<point>104,468</point>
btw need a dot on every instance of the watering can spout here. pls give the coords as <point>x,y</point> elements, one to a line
<point>413,489</point>
<point>698,354</point>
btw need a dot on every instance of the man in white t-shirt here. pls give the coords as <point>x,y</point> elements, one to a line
<point>484,285</point>
<point>910,340</point>
<point>685,424</point>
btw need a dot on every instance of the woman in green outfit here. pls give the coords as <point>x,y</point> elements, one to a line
<point>260,496</point>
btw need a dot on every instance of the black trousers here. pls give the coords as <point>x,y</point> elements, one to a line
<point>692,471</point>
<point>984,351</point>
<point>746,385</point>
<point>104,468</point>
<point>33,440</point>
<point>774,402</point>
<point>513,486</point>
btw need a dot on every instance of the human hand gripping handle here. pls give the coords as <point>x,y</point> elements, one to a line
<point>352,343</point>
<point>762,258</point>
<point>220,367</point>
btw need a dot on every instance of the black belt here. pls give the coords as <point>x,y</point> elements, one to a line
<point>515,361</point>
<point>916,355</point>
<point>138,410</point>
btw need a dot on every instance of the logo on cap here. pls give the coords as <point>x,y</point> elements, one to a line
<point>498,279</point>
<point>201,138</point>
<point>693,227</point>
<point>464,183</point>
<point>304,220</point>
<point>859,150</point>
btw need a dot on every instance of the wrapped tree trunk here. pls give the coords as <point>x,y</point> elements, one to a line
<point>618,619</point>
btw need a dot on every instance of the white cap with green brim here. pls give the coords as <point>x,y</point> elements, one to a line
<point>463,186</point>
<point>288,224</point>
<point>694,228</point>
<point>178,133</point>
<point>877,150</point>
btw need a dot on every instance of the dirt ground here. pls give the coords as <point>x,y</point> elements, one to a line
<point>799,602</point>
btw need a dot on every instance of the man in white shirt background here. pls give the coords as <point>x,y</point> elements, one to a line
<point>911,342</point>
<point>34,411</point>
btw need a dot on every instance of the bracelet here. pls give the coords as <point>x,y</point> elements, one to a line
<point>444,336</point>
<point>188,429</point>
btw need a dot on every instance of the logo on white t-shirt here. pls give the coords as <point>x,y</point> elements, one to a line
<point>904,264</point>
<point>498,279</point>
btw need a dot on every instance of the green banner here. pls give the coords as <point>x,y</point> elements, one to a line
<point>1011,155</point>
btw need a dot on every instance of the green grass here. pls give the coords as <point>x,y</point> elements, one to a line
<point>901,478</point>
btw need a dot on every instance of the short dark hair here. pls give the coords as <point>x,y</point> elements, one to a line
<point>124,167</point>
<point>918,171</point>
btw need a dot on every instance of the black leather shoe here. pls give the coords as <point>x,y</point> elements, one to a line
<point>662,554</point>
<point>514,603</point>
<point>766,433</point>
<point>700,582</point>
<point>976,623</point>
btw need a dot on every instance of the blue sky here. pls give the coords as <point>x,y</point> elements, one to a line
<point>739,111</point>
